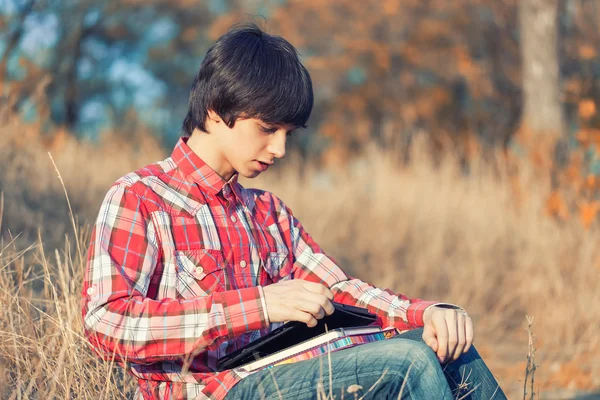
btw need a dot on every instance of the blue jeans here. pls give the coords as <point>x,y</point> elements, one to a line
<point>402,367</point>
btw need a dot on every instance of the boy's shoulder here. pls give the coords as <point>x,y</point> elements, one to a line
<point>155,170</point>
<point>157,185</point>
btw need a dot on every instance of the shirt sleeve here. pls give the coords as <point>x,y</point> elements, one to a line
<point>312,264</point>
<point>122,318</point>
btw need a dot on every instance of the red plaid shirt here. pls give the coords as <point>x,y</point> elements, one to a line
<point>176,265</point>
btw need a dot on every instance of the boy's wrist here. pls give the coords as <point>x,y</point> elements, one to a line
<point>432,307</point>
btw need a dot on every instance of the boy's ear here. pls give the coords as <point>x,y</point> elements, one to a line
<point>213,116</point>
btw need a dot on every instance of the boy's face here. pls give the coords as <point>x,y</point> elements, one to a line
<point>249,148</point>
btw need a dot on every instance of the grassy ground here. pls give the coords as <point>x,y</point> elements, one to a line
<point>421,229</point>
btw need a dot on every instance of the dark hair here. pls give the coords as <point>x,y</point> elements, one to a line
<point>252,74</point>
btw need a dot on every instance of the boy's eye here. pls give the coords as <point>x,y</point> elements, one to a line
<point>268,130</point>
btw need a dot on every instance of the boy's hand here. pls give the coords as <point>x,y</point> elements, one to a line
<point>298,300</point>
<point>449,332</point>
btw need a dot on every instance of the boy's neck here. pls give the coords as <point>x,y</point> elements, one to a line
<point>203,145</point>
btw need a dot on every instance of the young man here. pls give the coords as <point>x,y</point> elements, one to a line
<point>186,265</point>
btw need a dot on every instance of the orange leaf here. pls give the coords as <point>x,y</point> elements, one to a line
<point>556,206</point>
<point>573,173</point>
<point>587,52</point>
<point>588,136</point>
<point>587,108</point>
<point>590,181</point>
<point>588,212</point>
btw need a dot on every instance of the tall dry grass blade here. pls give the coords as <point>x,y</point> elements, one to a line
<point>275,383</point>
<point>464,384</point>
<point>18,256</point>
<point>377,382</point>
<point>109,368</point>
<point>62,183</point>
<point>58,369</point>
<point>405,380</point>
<point>47,278</point>
<point>9,244</point>
<point>329,367</point>
<point>531,367</point>
<point>1,209</point>
<point>64,285</point>
<point>17,360</point>
<point>495,392</point>
<point>468,393</point>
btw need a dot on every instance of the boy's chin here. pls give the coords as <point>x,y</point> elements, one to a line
<point>251,171</point>
<point>250,174</point>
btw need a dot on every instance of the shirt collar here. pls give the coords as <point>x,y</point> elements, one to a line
<point>200,172</point>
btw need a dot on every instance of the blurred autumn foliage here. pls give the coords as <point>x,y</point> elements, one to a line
<point>390,70</point>
<point>384,72</point>
<point>420,120</point>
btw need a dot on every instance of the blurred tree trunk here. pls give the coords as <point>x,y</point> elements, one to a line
<point>542,105</point>
<point>79,34</point>
<point>13,41</point>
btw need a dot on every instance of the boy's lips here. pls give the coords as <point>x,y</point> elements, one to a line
<point>263,165</point>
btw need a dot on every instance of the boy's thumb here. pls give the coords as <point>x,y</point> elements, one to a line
<point>429,337</point>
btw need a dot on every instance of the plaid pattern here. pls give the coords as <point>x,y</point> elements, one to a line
<point>176,265</point>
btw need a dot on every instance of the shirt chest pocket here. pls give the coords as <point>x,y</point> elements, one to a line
<point>200,272</point>
<point>277,265</point>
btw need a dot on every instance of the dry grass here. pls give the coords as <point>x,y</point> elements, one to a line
<point>34,196</point>
<point>43,354</point>
<point>435,232</point>
<point>420,229</point>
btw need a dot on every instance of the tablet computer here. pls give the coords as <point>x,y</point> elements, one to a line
<point>295,332</point>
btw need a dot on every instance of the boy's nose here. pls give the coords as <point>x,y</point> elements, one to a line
<point>279,153</point>
<point>277,146</point>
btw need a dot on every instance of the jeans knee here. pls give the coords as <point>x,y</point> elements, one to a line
<point>406,363</point>
<point>422,355</point>
<point>400,354</point>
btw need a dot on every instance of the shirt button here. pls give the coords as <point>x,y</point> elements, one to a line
<point>243,264</point>
<point>90,291</point>
<point>199,270</point>
<point>233,218</point>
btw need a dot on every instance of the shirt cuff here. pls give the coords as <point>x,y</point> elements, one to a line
<point>245,310</point>
<point>263,303</point>
<point>415,311</point>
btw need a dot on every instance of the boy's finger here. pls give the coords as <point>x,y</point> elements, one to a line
<point>461,331</point>
<point>441,334</point>
<point>313,302</point>
<point>452,327</point>
<point>305,317</point>
<point>429,337</point>
<point>469,334</point>
<point>318,288</point>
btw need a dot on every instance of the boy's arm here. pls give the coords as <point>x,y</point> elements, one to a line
<point>121,318</point>
<point>312,264</point>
